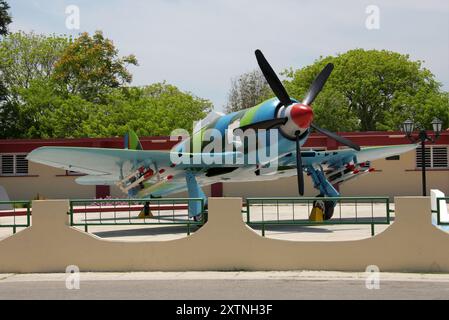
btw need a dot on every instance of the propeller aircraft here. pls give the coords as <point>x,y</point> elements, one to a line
<point>154,174</point>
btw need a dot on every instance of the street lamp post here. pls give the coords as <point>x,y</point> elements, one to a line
<point>408,127</point>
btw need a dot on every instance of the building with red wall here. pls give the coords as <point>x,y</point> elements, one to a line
<point>23,180</point>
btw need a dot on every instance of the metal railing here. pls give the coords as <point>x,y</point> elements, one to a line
<point>128,212</point>
<point>438,212</point>
<point>295,211</point>
<point>17,216</point>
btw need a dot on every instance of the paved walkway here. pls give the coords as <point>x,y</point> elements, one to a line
<point>225,285</point>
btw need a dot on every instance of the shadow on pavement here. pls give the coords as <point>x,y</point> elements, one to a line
<point>145,232</point>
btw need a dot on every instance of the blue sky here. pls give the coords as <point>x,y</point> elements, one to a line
<point>200,45</point>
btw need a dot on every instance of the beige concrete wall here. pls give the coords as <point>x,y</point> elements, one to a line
<point>411,244</point>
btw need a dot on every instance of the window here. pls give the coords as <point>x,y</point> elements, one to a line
<point>21,164</point>
<point>435,156</point>
<point>14,165</point>
<point>7,164</point>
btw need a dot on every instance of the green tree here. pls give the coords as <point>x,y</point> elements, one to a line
<point>379,88</point>
<point>91,99</point>
<point>44,113</point>
<point>153,110</point>
<point>246,91</point>
<point>5,17</point>
<point>331,112</point>
<point>8,116</point>
<point>422,107</point>
<point>91,67</point>
<point>5,20</point>
<point>150,111</point>
<point>25,57</point>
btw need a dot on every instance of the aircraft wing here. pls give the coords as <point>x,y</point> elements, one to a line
<point>343,165</point>
<point>108,165</point>
<point>338,158</point>
<point>367,154</point>
<point>95,161</point>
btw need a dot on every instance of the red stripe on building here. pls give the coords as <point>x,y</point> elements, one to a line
<point>366,139</point>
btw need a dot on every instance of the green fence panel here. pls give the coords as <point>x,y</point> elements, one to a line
<point>122,212</point>
<point>19,209</point>
<point>263,203</point>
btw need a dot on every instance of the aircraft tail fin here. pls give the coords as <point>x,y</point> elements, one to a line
<point>132,141</point>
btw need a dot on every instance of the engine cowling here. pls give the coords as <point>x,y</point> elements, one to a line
<point>300,117</point>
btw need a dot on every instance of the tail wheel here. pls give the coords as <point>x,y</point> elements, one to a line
<point>327,207</point>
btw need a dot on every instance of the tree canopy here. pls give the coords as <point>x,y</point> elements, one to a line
<point>154,110</point>
<point>55,86</point>
<point>149,111</point>
<point>372,90</point>
<point>27,57</point>
<point>91,67</point>
<point>5,18</point>
<point>58,87</point>
<point>246,91</point>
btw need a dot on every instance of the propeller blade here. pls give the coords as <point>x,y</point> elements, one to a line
<point>268,124</point>
<point>273,80</point>
<point>300,172</point>
<point>336,137</point>
<point>318,84</point>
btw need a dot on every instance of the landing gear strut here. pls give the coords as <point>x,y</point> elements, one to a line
<point>323,210</point>
<point>194,190</point>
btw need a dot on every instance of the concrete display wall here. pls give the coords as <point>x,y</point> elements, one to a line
<point>410,244</point>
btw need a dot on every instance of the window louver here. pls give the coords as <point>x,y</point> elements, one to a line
<point>435,156</point>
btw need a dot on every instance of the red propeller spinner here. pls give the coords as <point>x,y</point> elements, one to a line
<point>302,115</point>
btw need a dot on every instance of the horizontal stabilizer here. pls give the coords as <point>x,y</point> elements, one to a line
<point>374,153</point>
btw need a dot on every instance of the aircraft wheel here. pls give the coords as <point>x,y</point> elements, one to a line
<point>198,218</point>
<point>327,207</point>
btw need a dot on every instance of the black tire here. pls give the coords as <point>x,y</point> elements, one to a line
<point>329,207</point>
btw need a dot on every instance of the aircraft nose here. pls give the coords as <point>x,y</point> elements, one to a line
<point>302,115</point>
